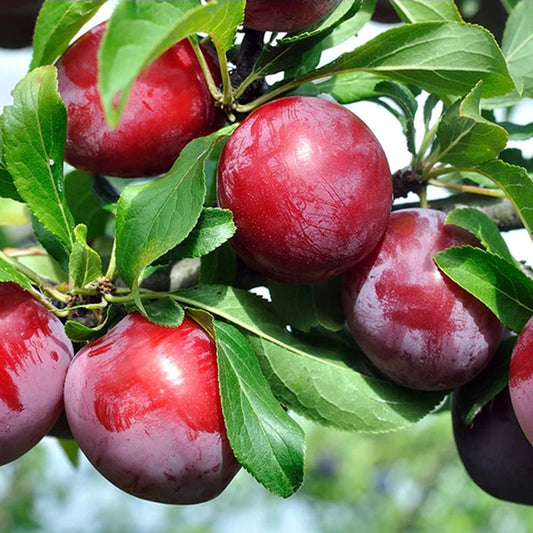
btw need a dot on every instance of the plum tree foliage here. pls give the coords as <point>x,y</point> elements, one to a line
<point>177,108</point>
<point>270,200</point>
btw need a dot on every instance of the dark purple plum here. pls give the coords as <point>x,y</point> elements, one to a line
<point>416,325</point>
<point>494,450</point>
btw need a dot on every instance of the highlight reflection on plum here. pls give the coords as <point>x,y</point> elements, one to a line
<point>143,404</point>
<point>309,187</point>
<point>34,356</point>
<point>416,325</point>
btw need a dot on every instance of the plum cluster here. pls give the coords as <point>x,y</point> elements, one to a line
<point>142,401</point>
<point>310,190</point>
<point>169,104</point>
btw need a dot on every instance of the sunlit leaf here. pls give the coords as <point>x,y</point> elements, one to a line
<point>440,57</point>
<point>499,284</point>
<point>483,228</point>
<point>264,438</point>
<point>427,10</point>
<point>154,217</point>
<point>314,378</point>
<point>57,24</point>
<point>85,264</point>
<point>33,133</point>
<point>465,137</point>
<point>140,31</point>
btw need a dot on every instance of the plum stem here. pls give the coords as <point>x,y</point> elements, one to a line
<point>35,278</point>
<point>425,144</point>
<point>111,272</point>
<point>495,193</point>
<point>422,195</point>
<point>213,89</point>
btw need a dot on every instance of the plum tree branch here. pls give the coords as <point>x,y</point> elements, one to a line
<point>249,51</point>
<point>499,210</point>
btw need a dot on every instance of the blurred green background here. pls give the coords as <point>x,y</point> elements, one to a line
<point>407,481</point>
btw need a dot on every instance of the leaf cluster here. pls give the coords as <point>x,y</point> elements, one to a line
<point>106,237</point>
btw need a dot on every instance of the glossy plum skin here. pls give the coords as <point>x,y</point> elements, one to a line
<point>521,379</point>
<point>143,404</point>
<point>34,356</point>
<point>494,450</point>
<point>416,325</point>
<point>169,106</point>
<point>309,187</point>
<point>285,15</point>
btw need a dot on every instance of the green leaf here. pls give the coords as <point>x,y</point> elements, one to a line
<point>406,101</point>
<point>85,264</point>
<point>43,264</point>
<point>465,137</point>
<point>33,131</point>
<point>429,106</point>
<point>165,312</point>
<point>140,31</point>
<point>57,24</point>
<point>214,227</point>
<point>81,333</point>
<point>51,244</point>
<point>313,378</point>
<point>499,284</point>
<point>70,446</point>
<point>84,205</point>
<point>333,394</point>
<point>219,267</point>
<point>492,380</point>
<point>105,192</point>
<point>308,306</point>
<point>517,47</point>
<point>265,439</point>
<point>211,168</point>
<point>517,185</point>
<point>427,10</point>
<point>8,272</point>
<point>300,52</point>
<point>7,186</point>
<point>155,217</point>
<point>483,228</point>
<point>351,25</point>
<point>445,58</point>
<point>518,132</point>
<point>510,4</point>
<point>346,88</point>
<point>514,156</point>
<point>78,332</point>
<point>339,14</point>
